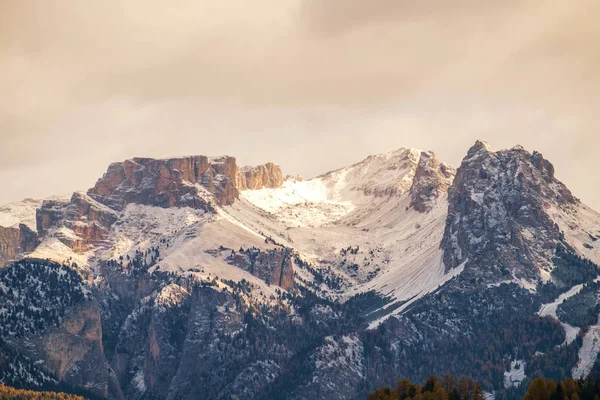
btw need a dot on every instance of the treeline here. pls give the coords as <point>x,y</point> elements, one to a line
<point>433,389</point>
<point>9,393</point>
<point>467,389</point>
<point>567,389</point>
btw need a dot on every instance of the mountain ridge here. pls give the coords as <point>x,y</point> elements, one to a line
<point>359,274</point>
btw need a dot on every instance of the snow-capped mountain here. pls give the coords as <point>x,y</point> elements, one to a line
<point>200,276</point>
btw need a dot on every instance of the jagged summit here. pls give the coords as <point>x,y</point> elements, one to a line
<point>499,212</point>
<point>394,173</point>
<point>480,145</point>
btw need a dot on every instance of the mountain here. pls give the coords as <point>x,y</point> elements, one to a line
<point>195,277</point>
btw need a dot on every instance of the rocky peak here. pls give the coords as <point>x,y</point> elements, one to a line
<point>380,175</point>
<point>431,180</point>
<point>480,146</point>
<point>498,214</point>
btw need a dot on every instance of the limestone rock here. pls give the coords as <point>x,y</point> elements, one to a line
<point>172,182</point>
<point>79,223</point>
<point>15,242</point>
<point>268,175</point>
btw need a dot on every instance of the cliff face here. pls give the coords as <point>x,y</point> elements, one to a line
<point>166,183</point>
<point>73,353</point>
<point>432,179</point>
<point>79,224</point>
<point>170,183</point>
<point>14,242</point>
<point>268,175</point>
<point>273,266</point>
<point>51,325</point>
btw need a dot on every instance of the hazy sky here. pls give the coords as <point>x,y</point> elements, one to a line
<point>309,84</point>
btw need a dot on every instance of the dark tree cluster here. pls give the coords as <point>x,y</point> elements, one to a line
<point>572,269</point>
<point>349,250</point>
<point>567,389</point>
<point>481,333</point>
<point>433,389</point>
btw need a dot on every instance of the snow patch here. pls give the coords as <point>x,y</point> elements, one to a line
<point>516,375</point>
<point>588,353</point>
<point>549,309</point>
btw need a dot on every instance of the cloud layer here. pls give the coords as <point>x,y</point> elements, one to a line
<point>311,84</point>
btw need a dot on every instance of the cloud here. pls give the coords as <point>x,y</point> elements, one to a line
<point>312,84</point>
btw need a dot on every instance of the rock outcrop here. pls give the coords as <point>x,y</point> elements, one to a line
<point>268,175</point>
<point>172,182</point>
<point>498,212</point>
<point>85,220</point>
<point>272,266</point>
<point>16,241</point>
<point>167,183</point>
<point>432,179</point>
<point>79,223</point>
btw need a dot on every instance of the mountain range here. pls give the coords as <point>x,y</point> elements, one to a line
<point>193,277</point>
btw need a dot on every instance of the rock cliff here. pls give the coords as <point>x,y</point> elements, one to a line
<point>80,223</point>
<point>432,180</point>
<point>172,182</point>
<point>51,324</point>
<point>273,266</point>
<point>16,241</point>
<point>268,175</point>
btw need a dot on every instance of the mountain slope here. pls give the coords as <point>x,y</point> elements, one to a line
<point>357,220</point>
<point>239,282</point>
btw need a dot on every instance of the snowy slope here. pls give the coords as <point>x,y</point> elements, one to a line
<point>189,234</point>
<point>355,222</point>
<point>581,226</point>
<point>23,212</point>
<point>588,353</point>
<point>395,250</point>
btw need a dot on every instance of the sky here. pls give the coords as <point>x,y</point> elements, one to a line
<point>312,85</point>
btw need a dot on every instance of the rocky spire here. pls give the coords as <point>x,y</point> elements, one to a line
<point>431,180</point>
<point>498,215</point>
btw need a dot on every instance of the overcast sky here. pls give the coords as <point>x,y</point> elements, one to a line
<point>310,84</point>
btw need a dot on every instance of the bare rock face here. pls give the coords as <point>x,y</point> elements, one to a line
<point>172,182</point>
<point>14,242</point>
<point>150,342</point>
<point>73,353</point>
<point>272,266</point>
<point>498,212</point>
<point>432,179</point>
<point>268,175</point>
<point>79,223</point>
<point>167,183</point>
<point>52,325</point>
